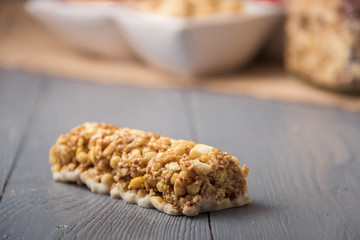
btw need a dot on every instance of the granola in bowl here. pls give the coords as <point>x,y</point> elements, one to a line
<point>185,8</point>
<point>174,176</point>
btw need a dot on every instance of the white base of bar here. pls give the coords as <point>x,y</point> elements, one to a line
<point>146,201</point>
<point>131,197</point>
<point>210,204</point>
<point>81,178</point>
<point>67,176</point>
<point>93,185</point>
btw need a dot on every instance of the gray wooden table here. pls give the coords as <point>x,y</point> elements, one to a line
<point>304,163</point>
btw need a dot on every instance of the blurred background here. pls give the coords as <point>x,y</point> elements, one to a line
<point>291,51</point>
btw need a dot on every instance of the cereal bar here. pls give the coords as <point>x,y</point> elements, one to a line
<point>323,42</point>
<point>174,176</point>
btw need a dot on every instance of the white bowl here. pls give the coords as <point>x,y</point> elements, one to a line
<point>186,45</point>
<point>85,25</point>
<point>199,46</point>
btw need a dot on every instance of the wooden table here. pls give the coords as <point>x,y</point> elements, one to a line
<point>304,163</point>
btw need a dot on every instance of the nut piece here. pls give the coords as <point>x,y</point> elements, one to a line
<point>149,155</point>
<point>156,166</point>
<point>135,153</point>
<point>204,158</point>
<point>80,143</point>
<point>52,158</point>
<point>81,157</point>
<point>137,182</point>
<point>107,179</point>
<point>235,159</point>
<point>179,150</point>
<point>92,154</point>
<point>56,168</point>
<point>150,181</point>
<point>201,167</point>
<point>200,149</point>
<point>124,172</point>
<point>193,188</point>
<point>71,166</point>
<point>245,170</point>
<point>172,166</point>
<point>102,165</point>
<point>179,189</point>
<point>110,149</point>
<point>114,161</point>
<point>90,128</point>
<point>174,177</point>
<point>160,186</point>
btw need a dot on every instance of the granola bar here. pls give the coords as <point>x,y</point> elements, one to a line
<point>323,42</point>
<point>174,176</point>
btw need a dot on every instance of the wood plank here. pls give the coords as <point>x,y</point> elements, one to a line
<point>17,98</point>
<point>304,167</point>
<point>38,208</point>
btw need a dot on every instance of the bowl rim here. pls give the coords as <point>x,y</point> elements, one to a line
<point>254,10</point>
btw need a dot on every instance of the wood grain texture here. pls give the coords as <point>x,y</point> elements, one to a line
<point>35,207</point>
<point>304,163</point>
<point>304,167</point>
<point>17,98</point>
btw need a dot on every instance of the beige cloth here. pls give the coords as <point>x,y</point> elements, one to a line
<point>26,44</point>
